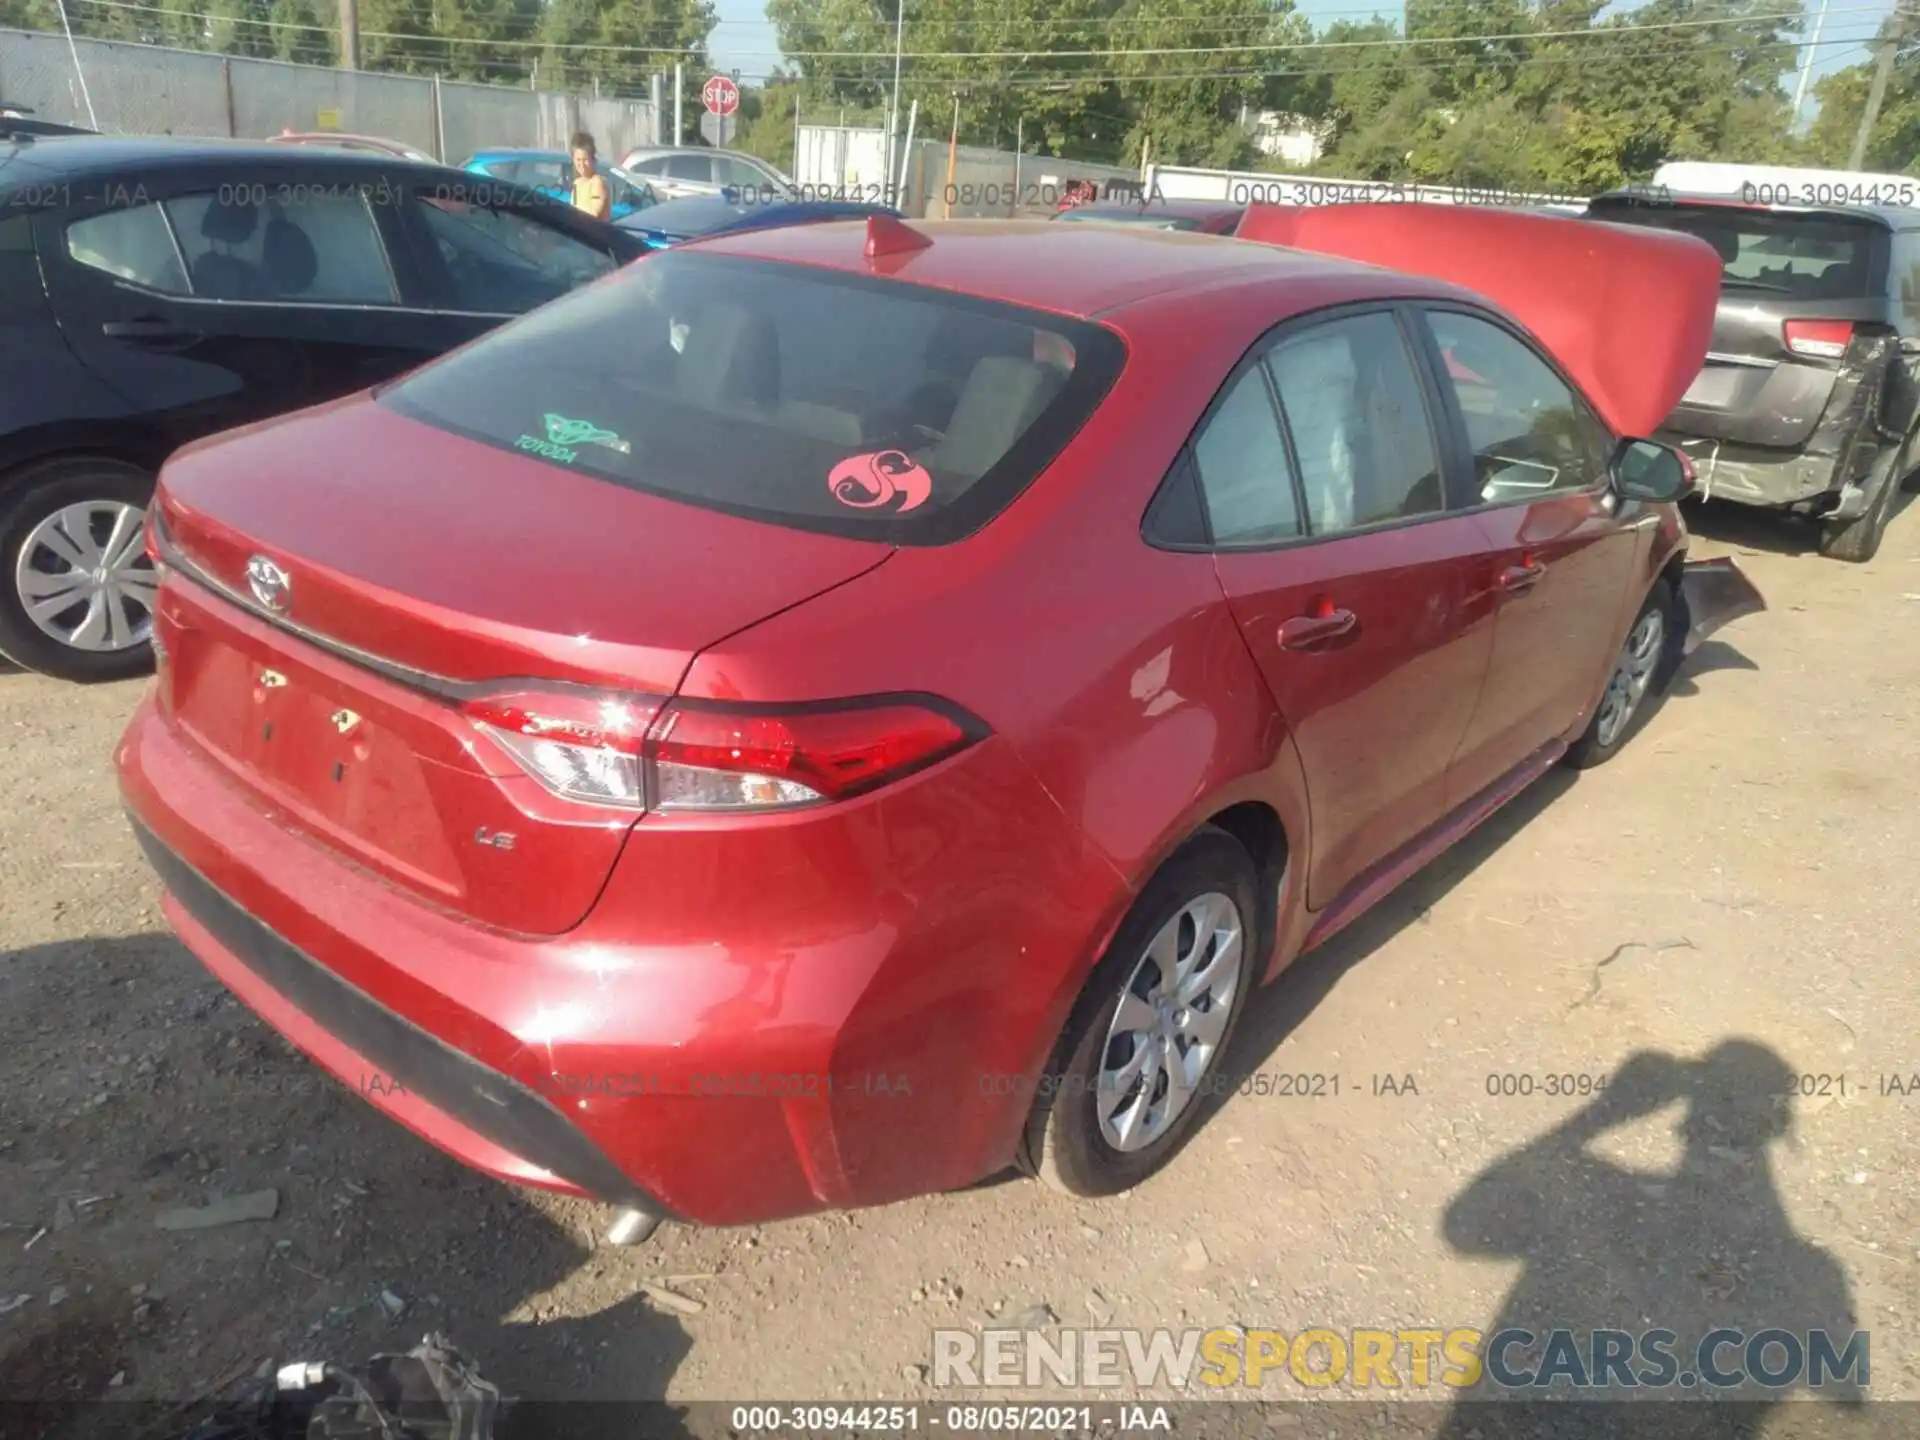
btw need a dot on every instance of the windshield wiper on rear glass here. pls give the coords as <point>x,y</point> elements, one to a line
<point>1728,282</point>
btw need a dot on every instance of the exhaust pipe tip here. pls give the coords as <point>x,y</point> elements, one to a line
<point>632,1227</point>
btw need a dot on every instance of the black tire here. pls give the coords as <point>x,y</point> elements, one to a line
<point>1858,540</point>
<point>31,496</point>
<point>1591,748</point>
<point>1064,1144</point>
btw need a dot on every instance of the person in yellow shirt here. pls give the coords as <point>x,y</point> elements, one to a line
<point>590,191</point>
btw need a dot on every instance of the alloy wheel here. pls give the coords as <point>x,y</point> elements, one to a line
<point>1632,675</point>
<point>1172,1016</point>
<point>84,577</point>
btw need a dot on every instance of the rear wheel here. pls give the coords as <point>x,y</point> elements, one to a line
<point>77,590</point>
<point>1646,660</point>
<point>1135,1067</point>
<point>1858,539</point>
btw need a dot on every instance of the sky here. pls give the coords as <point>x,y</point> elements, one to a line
<point>744,41</point>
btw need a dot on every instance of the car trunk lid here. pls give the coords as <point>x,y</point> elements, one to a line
<point>397,572</point>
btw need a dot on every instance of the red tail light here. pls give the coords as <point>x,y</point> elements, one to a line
<point>1819,339</point>
<point>631,752</point>
<point>580,744</point>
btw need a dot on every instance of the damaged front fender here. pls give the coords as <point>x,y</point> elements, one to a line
<point>1715,593</point>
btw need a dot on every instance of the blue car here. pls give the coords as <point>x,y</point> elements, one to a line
<point>672,221</point>
<point>551,173</point>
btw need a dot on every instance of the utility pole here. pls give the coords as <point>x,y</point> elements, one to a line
<point>893,104</point>
<point>350,34</point>
<point>1889,47</point>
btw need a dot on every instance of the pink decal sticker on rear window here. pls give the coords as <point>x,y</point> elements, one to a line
<point>867,482</point>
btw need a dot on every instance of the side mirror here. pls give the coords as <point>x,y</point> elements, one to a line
<point>1647,470</point>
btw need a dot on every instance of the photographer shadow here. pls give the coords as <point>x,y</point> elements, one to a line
<point>1706,1246</point>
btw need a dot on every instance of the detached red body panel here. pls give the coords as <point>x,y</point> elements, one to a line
<point>1628,310</point>
<point>696,834</point>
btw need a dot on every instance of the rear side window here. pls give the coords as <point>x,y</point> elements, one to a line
<point>1803,257</point>
<point>1244,474</point>
<point>132,244</point>
<point>270,242</point>
<point>1354,405</point>
<point>830,402</point>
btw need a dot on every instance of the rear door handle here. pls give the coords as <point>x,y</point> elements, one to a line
<point>164,331</point>
<point>1304,632</point>
<point>1516,578</point>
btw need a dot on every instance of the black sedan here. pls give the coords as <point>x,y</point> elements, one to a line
<point>153,291</point>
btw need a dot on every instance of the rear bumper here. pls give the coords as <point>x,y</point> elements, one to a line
<point>488,1119</point>
<point>737,1033</point>
<point>1753,475</point>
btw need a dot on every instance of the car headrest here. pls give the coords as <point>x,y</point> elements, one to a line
<point>229,224</point>
<point>731,357</point>
<point>289,258</point>
<point>1001,398</point>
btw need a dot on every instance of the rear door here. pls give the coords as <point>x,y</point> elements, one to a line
<point>215,298</point>
<point>1358,592</point>
<point>1560,560</point>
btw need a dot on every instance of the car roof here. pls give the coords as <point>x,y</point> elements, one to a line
<point>522,152</point>
<point>1894,216</point>
<point>108,154</point>
<point>1081,270</point>
<point>1176,209</point>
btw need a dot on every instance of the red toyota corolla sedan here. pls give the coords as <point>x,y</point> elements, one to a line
<point>829,713</point>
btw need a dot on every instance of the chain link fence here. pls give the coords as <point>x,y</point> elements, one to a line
<point>152,90</point>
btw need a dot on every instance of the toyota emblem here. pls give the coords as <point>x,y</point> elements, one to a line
<point>271,585</point>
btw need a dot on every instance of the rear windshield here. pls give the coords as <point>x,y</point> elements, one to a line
<point>815,399</point>
<point>1805,257</point>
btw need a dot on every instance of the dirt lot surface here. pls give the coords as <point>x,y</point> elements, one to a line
<point>1738,888</point>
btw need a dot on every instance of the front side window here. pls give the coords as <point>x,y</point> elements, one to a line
<point>132,244</point>
<point>505,262</point>
<point>1530,433</point>
<point>1354,406</point>
<point>689,167</point>
<point>838,403</point>
<point>282,242</point>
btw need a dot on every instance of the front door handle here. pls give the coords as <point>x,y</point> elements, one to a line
<point>1516,578</point>
<point>1304,632</point>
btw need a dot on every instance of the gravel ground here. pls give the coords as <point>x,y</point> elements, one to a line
<point>1738,889</point>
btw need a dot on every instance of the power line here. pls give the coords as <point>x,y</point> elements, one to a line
<point>1399,42</point>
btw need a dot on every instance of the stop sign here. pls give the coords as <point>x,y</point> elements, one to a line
<point>720,95</point>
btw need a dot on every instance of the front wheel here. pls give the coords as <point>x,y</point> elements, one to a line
<point>77,590</point>
<point>1645,661</point>
<point>1132,1073</point>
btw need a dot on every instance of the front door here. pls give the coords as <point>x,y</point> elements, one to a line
<point>1561,562</point>
<point>1352,582</point>
<point>485,263</point>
